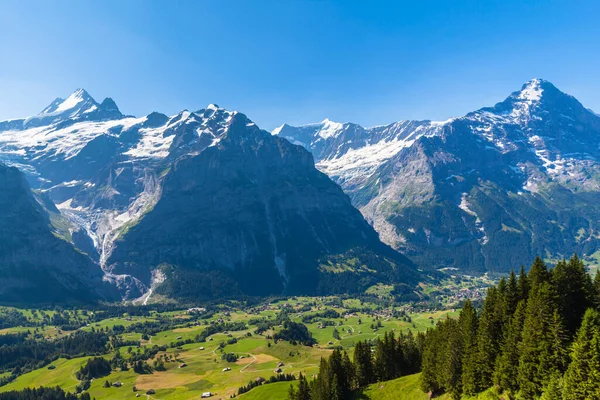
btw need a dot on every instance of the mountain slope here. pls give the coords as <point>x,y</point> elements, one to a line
<point>36,265</point>
<point>199,204</point>
<point>254,208</point>
<point>485,192</point>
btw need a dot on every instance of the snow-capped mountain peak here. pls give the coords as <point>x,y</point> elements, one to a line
<point>330,128</point>
<point>532,90</point>
<point>79,100</point>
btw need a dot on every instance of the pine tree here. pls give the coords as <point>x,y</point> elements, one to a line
<point>453,360</point>
<point>468,323</point>
<point>554,388</point>
<point>536,362</point>
<point>582,379</point>
<point>336,377</point>
<point>411,354</point>
<point>363,362</point>
<point>538,274</point>
<point>348,373</point>
<point>432,353</point>
<point>559,338</point>
<point>597,289</point>
<point>505,374</point>
<point>488,340</point>
<point>380,366</point>
<point>574,289</point>
<point>512,294</point>
<point>303,389</point>
<point>292,394</point>
<point>523,285</point>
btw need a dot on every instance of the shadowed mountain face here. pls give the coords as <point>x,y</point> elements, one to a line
<point>36,263</point>
<point>254,208</point>
<point>198,205</point>
<point>485,192</point>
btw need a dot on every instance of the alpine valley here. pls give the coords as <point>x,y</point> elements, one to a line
<point>198,205</point>
<point>485,192</point>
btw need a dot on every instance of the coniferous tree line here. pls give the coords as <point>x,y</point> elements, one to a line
<point>339,376</point>
<point>42,393</point>
<point>537,336</point>
<point>20,354</point>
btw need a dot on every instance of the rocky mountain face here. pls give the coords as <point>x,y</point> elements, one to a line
<point>485,192</point>
<point>199,204</point>
<point>37,261</point>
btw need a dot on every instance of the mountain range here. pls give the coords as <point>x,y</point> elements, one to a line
<point>485,192</point>
<point>197,205</point>
<point>98,205</point>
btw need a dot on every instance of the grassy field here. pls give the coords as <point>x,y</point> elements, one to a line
<point>272,391</point>
<point>407,388</point>
<point>259,355</point>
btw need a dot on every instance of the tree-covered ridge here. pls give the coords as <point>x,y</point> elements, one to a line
<point>537,336</point>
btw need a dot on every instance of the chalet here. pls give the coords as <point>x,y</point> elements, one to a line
<point>178,337</point>
<point>277,371</point>
<point>117,384</point>
<point>206,395</point>
<point>182,365</point>
<point>201,348</point>
<point>226,369</point>
<point>150,391</point>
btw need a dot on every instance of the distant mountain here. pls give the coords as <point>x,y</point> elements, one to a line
<point>485,192</point>
<point>37,262</point>
<point>196,205</point>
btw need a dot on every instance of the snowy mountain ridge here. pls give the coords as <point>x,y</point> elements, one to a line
<point>538,140</point>
<point>98,165</point>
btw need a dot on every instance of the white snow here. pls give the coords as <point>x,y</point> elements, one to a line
<point>330,129</point>
<point>66,142</point>
<point>363,160</point>
<point>532,91</point>
<point>71,102</point>
<point>277,130</point>
<point>464,205</point>
<point>153,144</point>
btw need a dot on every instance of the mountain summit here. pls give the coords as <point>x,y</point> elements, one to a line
<point>521,175</point>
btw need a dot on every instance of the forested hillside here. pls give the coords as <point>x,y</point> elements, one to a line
<point>537,336</point>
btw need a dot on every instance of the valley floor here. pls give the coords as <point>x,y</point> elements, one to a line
<point>349,321</point>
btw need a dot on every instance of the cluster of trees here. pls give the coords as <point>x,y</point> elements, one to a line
<point>141,367</point>
<point>295,332</point>
<point>538,334</point>
<point>328,313</point>
<point>229,357</point>
<point>220,327</point>
<point>94,368</point>
<point>20,354</point>
<point>339,376</point>
<point>11,317</point>
<point>262,381</point>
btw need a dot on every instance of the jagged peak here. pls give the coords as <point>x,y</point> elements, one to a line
<point>80,98</point>
<point>109,104</point>
<point>531,91</point>
<point>278,130</point>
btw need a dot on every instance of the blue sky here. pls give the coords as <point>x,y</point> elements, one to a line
<point>368,62</point>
